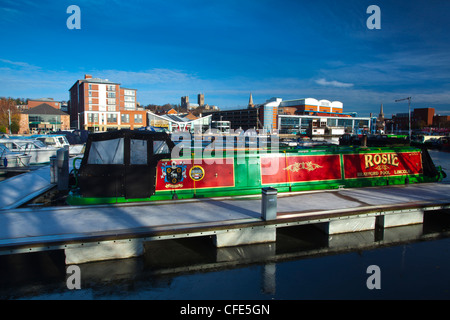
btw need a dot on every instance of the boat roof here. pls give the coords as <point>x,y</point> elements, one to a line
<point>138,134</point>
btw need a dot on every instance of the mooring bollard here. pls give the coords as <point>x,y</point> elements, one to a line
<point>269,203</point>
<point>364,141</point>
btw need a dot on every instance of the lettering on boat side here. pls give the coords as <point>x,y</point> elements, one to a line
<point>371,160</point>
<point>296,167</point>
<point>373,165</point>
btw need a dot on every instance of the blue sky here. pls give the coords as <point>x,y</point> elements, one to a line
<point>227,49</point>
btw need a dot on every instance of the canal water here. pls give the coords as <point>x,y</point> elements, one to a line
<point>411,262</point>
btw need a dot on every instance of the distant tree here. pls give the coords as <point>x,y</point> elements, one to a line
<point>8,105</point>
<point>15,126</point>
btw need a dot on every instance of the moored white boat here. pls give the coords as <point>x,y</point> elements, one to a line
<point>9,159</point>
<point>60,141</point>
<point>39,151</point>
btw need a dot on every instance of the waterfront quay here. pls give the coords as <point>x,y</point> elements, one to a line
<point>103,232</point>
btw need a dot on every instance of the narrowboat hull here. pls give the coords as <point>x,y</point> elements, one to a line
<point>290,170</point>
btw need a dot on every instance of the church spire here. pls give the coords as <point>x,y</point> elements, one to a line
<point>381,111</point>
<point>250,101</point>
<point>380,124</point>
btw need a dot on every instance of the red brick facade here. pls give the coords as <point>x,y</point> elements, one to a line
<point>100,105</point>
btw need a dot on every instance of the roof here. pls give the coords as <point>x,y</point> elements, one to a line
<point>45,108</point>
<point>93,80</point>
<point>190,116</point>
<point>175,118</point>
<point>98,80</point>
<point>43,99</point>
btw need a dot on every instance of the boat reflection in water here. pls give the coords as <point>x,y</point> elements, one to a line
<point>304,263</point>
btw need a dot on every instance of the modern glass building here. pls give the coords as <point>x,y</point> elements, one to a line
<point>299,124</point>
<point>172,122</point>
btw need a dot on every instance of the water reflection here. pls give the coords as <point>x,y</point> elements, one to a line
<point>194,269</point>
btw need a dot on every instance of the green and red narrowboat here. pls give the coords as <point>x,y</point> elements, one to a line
<point>128,166</point>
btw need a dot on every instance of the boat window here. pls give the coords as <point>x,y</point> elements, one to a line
<point>107,152</point>
<point>39,144</point>
<point>61,140</point>
<point>138,151</point>
<point>47,141</point>
<point>25,146</point>
<point>160,147</point>
<point>9,145</point>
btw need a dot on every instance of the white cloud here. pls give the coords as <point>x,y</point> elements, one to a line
<point>333,83</point>
<point>153,76</point>
<point>19,64</point>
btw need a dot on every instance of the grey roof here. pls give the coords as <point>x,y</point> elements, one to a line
<point>45,109</point>
<point>175,118</point>
<point>44,99</point>
<point>98,80</point>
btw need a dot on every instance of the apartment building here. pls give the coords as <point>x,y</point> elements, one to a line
<point>101,105</point>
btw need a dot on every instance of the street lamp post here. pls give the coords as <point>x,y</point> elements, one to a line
<point>409,114</point>
<point>9,119</point>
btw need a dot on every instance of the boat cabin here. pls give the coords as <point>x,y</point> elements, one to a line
<point>58,141</point>
<point>122,163</point>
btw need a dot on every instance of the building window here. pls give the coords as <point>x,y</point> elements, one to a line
<point>128,98</point>
<point>90,93</point>
<point>125,117</point>
<point>111,101</point>
<point>111,94</point>
<point>111,108</point>
<point>90,86</point>
<point>138,118</point>
<point>92,117</point>
<point>111,88</point>
<point>129,106</point>
<point>129,93</point>
<point>112,117</point>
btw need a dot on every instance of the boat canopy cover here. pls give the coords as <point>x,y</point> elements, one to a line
<point>122,163</point>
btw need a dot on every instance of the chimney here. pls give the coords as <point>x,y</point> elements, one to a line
<point>87,76</point>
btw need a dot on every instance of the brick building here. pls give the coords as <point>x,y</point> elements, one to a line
<point>310,106</point>
<point>420,118</point>
<point>101,105</point>
<point>265,117</point>
<point>423,116</point>
<point>441,121</point>
<point>42,119</point>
